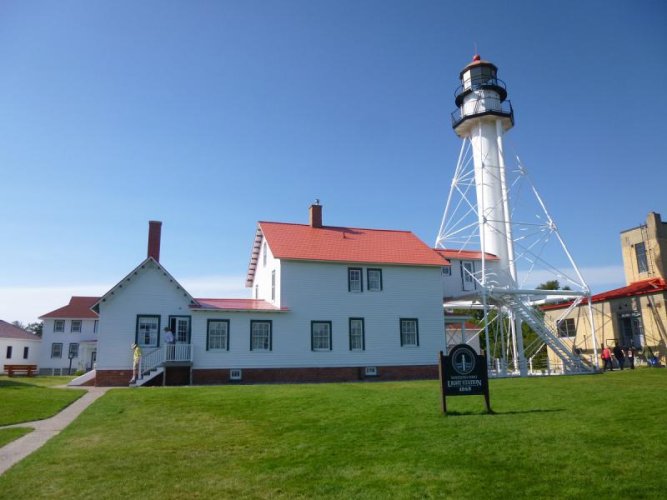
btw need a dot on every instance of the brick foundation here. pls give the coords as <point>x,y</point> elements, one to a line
<point>110,378</point>
<point>297,375</point>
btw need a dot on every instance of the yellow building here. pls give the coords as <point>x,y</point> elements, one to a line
<point>634,316</point>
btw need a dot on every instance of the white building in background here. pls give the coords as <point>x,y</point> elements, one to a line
<point>69,334</point>
<point>17,346</point>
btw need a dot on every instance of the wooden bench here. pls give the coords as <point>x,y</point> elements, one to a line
<point>28,370</point>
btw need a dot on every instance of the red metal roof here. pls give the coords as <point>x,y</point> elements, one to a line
<point>347,244</point>
<point>450,253</point>
<point>78,308</point>
<point>644,287</point>
<point>235,305</point>
<point>9,331</point>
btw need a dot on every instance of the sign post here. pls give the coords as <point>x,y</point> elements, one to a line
<point>463,373</point>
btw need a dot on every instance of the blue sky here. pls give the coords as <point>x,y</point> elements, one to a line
<point>210,116</point>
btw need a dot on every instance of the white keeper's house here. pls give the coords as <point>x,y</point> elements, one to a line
<point>17,346</point>
<point>70,334</point>
<point>328,304</point>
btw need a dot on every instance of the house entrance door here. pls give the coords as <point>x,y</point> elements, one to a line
<point>180,326</point>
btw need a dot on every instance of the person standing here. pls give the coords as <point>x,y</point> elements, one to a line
<point>136,362</point>
<point>631,356</point>
<point>606,358</point>
<point>618,354</point>
<point>171,343</point>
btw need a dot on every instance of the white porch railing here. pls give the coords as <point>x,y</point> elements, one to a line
<point>167,353</point>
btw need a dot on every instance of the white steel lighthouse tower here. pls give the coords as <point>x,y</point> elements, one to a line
<point>494,209</point>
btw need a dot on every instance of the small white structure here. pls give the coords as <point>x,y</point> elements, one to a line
<point>69,337</point>
<point>17,346</point>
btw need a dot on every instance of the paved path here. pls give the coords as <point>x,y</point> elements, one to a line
<point>45,429</point>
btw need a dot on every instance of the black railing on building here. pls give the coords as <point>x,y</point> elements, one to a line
<point>479,84</point>
<point>482,107</point>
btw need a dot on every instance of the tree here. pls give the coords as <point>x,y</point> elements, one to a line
<point>19,324</point>
<point>552,285</point>
<point>35,328</point>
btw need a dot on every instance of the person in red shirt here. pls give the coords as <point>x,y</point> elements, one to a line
<point>606,358</point>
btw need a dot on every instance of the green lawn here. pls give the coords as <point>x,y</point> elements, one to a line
<point>579,437</point>
<point>23,399</point>
<point>9,435</point>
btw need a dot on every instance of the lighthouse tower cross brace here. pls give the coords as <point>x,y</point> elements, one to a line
<point>480,215</point>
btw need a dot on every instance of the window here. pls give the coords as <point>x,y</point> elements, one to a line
<point>357,341</point>
<point>75,327</point>
<point>480,75</point>
<point>320,335</point>
<point>273,285</point>
<point>217,338</point>
<point>9,352</point>
<point>147,330</point>
<point>73,350</point>
<point>56,350</point>
<point>264,254</point>
<point>95,326</point>
<point>447,271</point>
<point>59,326</point>
<point>260,335</point>
<point>26,351</point>
<point>354,280</point>
<point>256,291</point>
<point>566,328</point>
<point>409,332</point>
<point>642,261</point>
<point>467,272</point>
<point>374,280</point>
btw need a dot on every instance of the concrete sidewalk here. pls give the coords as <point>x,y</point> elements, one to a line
<point>45,429</point>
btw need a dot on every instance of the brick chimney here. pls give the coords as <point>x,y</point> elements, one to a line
<point>154,234</point>
<point>316,214</point>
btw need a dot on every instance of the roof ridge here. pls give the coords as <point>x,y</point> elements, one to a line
<point>337,227</point>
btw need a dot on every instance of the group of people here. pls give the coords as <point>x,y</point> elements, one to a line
<point>169,339</point>
<point>621,354</point>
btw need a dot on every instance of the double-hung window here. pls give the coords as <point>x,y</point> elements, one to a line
<point>148,327</point>
<point>57,350</point>
<point>374,280</point>
<point>355,281</point>
<point>320,335</point>
<point>59,326</point>
<point>409,332</point>
<point>357,341</point>
<point>260,335</point>
<point>218,335</point>
<point>75,327</point>
<point>566,328</point>
<point>273,285</point>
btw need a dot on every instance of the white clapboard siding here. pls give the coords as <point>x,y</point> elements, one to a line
<point>148,292</point>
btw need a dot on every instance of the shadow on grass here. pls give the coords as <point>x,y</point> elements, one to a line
<point>15,383</point>
<point>492,413</point>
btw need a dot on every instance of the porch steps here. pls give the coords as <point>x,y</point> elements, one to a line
<point>147,377</point>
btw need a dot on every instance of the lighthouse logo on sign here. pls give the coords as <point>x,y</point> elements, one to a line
<point>463,361</point>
